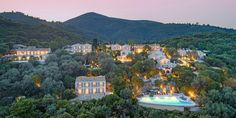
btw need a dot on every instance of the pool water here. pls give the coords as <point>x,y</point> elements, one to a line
<point>165,100</point>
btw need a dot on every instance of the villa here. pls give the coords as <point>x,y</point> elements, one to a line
<point>118,47</point>
<point>189,53</point>
<point>136,48</point>
<point>88,88</point>
<point>24,53</point>
<point>124,56</point>
<point>79,48</point>
<point>162,61</point>
<point>156,55</point>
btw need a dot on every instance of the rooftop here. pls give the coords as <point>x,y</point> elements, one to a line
<point>86,78</point>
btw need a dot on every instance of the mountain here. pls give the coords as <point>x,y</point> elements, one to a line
<point>17,28</point>
<point>121,30</point>
<point>22,18</point>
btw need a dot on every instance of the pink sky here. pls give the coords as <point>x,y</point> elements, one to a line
<point>215,12</point>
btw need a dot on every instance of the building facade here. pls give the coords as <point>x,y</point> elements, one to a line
<point>87,88</point>
<point>81,48</point>
<point>26,53</point>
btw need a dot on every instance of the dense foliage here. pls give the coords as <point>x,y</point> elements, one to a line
<point>220,48</point>
<point>40,34</point>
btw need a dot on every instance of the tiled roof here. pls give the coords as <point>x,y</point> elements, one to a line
<point>86,78</point>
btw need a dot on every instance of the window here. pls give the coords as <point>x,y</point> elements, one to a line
<point>87,84</point>
<point>79,91</point>
<point>101,83</point>
<point>94,90</point>
<point>86,91</point>
<point>101,90</point>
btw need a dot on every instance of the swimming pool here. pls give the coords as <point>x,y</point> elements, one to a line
<point>170,100</point>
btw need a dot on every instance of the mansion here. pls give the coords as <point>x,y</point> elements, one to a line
<point>79,48</point>
<point>25,53</point>
<point>87,88</point>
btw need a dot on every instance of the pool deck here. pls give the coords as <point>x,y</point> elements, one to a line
<point>170,107</point>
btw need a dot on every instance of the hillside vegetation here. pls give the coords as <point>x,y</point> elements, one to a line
<point>36,32</point>
<point>121,30</point>
<point>220,47</point>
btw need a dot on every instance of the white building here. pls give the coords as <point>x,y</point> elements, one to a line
<point>182,52</point>
<point>23,54</point>
<point>87,88</point>
<point>185,52</point>
<point>165,63</point>
<point>156,55</point>
<point>155,47</point>
<point>162,61</point>
<point>115,47</point>
<point>118,47</point>
<point>82,48</point>
<point>201,54</point>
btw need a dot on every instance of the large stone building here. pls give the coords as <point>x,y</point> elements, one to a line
<point>156,55</point>
<point>188,53</point>
<point>87,88</point>
<point>118,47</point>
<point>79,48</point>
<point>136,48</point>
<point>162,61</point>
<point>24,53</point>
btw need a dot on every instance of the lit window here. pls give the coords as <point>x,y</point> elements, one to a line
<point>79,91</point>
<point>87,91</point>
<point>101,83</point>
<point>101,90</point>
<point>94,90</point>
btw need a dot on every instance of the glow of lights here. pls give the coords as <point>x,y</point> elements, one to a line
<point>191,94</point>
<point>139,50</point>
<point>124,59</point>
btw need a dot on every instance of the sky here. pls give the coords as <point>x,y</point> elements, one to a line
<point>214,12</point>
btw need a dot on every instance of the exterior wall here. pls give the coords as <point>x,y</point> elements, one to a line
<point>81,48</point>
<point>162,107</point>
<point>157,55</point>
<point>116,47</point>
<point>90,88</point>
<point>155,47</point>
<point>27,53</point>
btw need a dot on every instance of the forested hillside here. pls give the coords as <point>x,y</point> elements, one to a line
<point>40,34</point>
<point>121,30</point>
<point>220,47</point>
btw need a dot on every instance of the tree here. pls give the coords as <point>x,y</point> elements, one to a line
<point>12,75</point>
<point>118,84</point>
<point>53,71</point>
<point>68,94</point>
<point>108,65</point>
<point>95,44</point>
<point>146,48</point>
<point>65,115</point>
<point>28,86</point>
<point>126,93</point>
<point>50,86</point>
<point>25,108</point>
<point>220,103</point>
